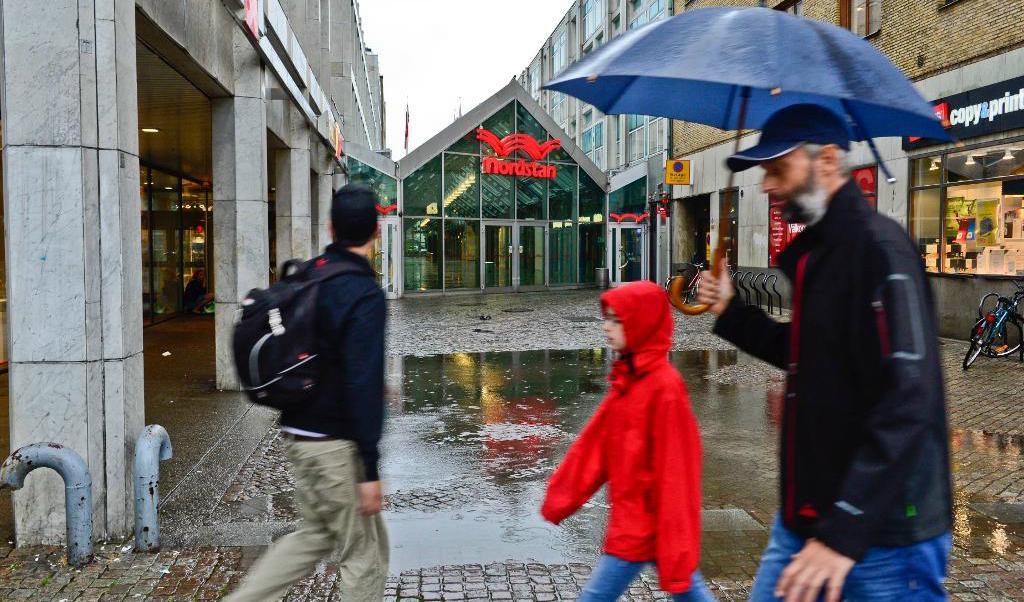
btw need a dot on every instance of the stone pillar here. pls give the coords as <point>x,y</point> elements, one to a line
<point>241,226</point>
<point>294,214</point>
<point>323,189</point>
<point>74,260</point>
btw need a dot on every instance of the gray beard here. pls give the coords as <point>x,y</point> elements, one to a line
<point>808,205</point>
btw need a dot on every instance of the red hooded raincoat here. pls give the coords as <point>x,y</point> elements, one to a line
<point>643,442</point>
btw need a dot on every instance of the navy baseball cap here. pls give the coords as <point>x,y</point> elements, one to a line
<point>787,129</point>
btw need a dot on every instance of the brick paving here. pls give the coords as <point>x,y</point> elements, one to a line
<point>988,462</point>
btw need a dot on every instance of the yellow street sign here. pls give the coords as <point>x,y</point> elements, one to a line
<point>677,171</point>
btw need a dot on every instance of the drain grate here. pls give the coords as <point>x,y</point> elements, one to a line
<point>581,319</point>
<point>517,310</point>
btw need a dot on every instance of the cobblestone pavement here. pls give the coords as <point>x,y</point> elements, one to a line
<point>516,442</point>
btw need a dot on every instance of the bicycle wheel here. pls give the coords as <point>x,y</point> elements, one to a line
<point>977,342</point>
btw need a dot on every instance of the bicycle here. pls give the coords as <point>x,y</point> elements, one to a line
<point>989,334</point>
<point>686,284</point>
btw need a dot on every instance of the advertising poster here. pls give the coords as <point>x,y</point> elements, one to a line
<point>987,213</point>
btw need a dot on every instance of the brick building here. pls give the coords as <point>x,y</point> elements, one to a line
<point>962,203</point>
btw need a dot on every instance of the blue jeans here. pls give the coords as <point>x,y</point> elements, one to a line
<point>906,573</point>
<point>612,576</point>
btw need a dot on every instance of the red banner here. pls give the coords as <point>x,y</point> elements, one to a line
<point>780,232</point>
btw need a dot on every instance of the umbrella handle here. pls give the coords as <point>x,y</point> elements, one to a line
<point>677,285</point>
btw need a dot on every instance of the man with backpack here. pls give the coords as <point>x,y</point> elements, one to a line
<point>332,434</point>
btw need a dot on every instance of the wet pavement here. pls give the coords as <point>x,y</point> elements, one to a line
<point>484,396</point>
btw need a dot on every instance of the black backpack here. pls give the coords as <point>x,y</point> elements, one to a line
<point>275,338</point>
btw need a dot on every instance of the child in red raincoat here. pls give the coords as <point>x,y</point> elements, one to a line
<point>643,442</point>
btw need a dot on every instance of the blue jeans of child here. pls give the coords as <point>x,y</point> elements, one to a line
<point>907,573</point>
<point>612,576</point>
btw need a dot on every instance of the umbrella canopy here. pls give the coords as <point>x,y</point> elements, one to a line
<point>699,65</point>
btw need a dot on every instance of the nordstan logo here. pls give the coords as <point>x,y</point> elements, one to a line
<point>524,143</point>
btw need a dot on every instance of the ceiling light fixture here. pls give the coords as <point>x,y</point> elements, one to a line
<point>935,165</point>
<point>151,130</point>
<point>970,160</point>
<point>1008,156</point>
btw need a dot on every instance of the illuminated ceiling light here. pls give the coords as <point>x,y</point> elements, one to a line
<point>1008,156</point>
<point>151,130</point>
<point>970,160</point>
<point>935,165</point>
<point>168,187</point>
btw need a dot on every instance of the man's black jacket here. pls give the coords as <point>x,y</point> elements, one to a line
<point>864,450</point>
<point>350,316</point>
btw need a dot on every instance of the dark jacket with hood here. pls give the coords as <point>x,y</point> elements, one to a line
<point>643,442</point>
<point>864,451</point>
<point>350,317</point>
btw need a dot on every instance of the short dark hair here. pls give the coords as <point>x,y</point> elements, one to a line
<point>354,215</point>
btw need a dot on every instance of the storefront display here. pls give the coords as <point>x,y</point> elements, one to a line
<point>977,197</point>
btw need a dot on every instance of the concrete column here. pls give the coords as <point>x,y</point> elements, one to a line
<point>241,225</point>
<point>294,211</point>
<point>74,261</point>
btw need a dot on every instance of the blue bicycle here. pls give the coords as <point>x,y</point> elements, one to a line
<point>989,334</point>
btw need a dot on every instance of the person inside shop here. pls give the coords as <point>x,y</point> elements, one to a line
<point>866,505</point>
<point>196,298</point>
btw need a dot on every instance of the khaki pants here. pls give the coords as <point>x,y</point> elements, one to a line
<point>327,477</point>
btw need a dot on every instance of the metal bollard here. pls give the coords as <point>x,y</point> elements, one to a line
<point>153,446</point>
<point>77,490</point>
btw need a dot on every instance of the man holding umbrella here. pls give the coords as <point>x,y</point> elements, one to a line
<point>865,478</point>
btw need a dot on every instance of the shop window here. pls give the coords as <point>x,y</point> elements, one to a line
<point>631,198</point>
<point>165,239</point>
<point>985,163</point>
<point>926,172</point>
<point>461,186</point>
<point>865,16</point>
<point>461,254</point>
<point>562,194</point>
<point>499,196</point>
<point>562,248</point>
<point>384,186</point>
<point>422,253</point>
<point>422,190</point>
<point>926,227</point>
<point>729,213</point>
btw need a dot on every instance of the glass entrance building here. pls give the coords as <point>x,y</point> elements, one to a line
<point>495,202</point>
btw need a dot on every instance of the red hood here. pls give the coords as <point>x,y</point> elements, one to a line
<point>646,317</point>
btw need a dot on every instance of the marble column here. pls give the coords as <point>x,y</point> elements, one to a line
<point>74,260</point>
<point>241,228</point>
<point>294,210</point>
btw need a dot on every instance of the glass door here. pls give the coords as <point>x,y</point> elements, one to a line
<point>384,258</point>
<point>498,254</point>
<point>629,254</point>
<point>531,260</point>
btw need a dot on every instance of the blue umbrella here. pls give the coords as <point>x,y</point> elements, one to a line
<point>712,65</point>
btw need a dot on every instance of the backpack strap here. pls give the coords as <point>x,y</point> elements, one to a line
<point>321,272</point>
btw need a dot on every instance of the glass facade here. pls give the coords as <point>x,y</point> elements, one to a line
<point>498,230</point>
<point>967,211</point>
<point>383,185</point>
<point>177,217</point>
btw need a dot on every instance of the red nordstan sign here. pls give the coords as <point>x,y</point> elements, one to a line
<point>525,144</point>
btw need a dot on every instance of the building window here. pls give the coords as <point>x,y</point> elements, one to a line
<point>657,10</point>
<point>865,17</point>
<point>535,81</point>
<point>558,109</point>
<point>793,7</point>
<point>656,137</point>
<point>967,211</point>
<point>559,55</point>
<point>593,143</point>
<point>592,17</point>
<point>636,141</point>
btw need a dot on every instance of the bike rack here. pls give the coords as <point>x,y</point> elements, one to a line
<point>757,291</point>
<point>748,276</point>
<point>767,294</point>
<point>154,445</point>
<point>77,490</point>
<point>739,283</point>
<point>774,278</point>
